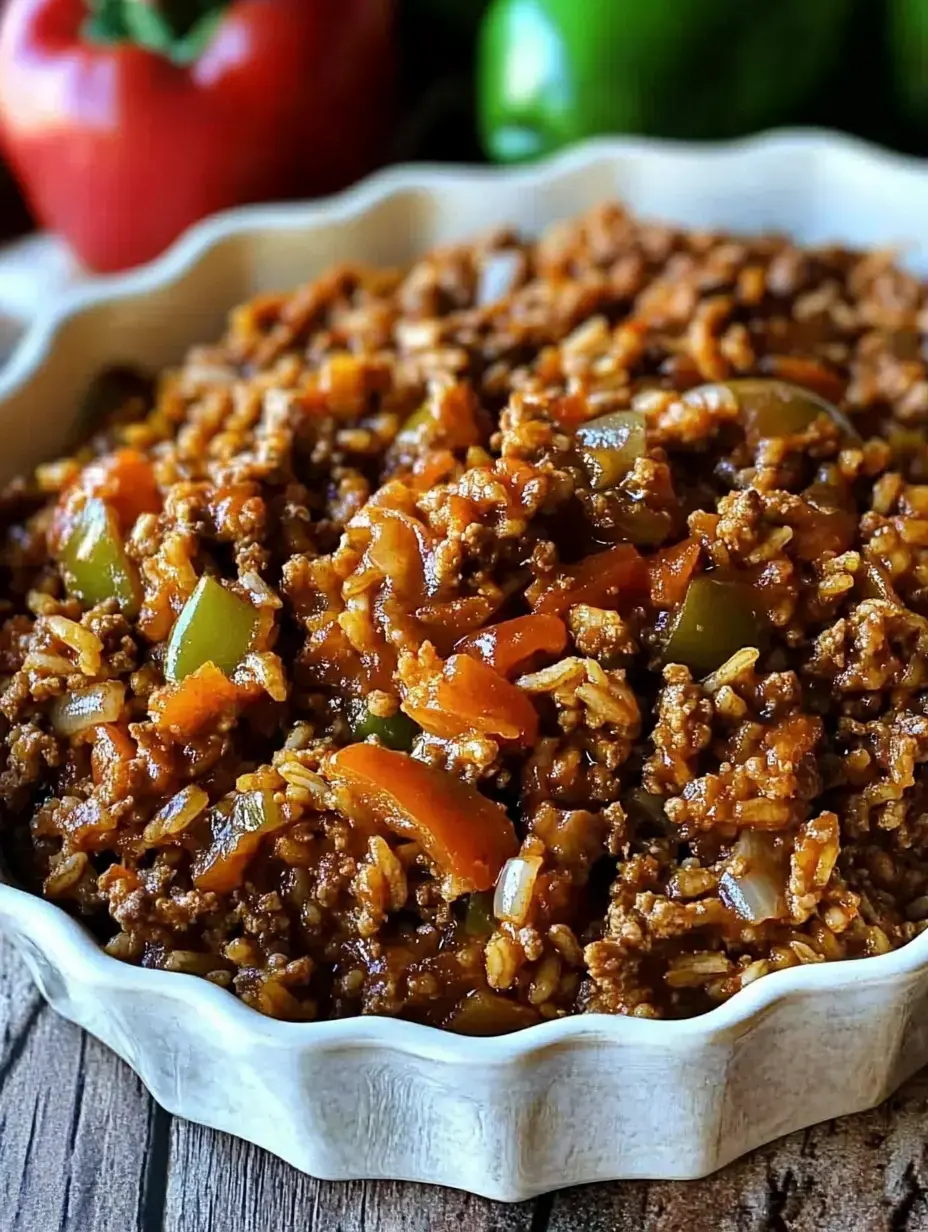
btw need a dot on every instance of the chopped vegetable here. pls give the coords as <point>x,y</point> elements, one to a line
<point>483,1012</point>
<point>94,563</point>
<point>500,272</point>
<point>470,695</point>
<point>610,446</point>
<point>513,897</point>
<point>479,922</point>
<point>446,622</point>
<point>553,72</point>
<point>717,618</point>
<point>399,549</point>
<point>113,748</point>
<point>670,572</point>
<point>106,103</point>
<point>599,580</point>
<point>772,408</point>
<point>198,701</point>
<point>756,888</point>
<point>467,835</point>
<point>236,838</point>
<point>126,482</point>
<point>833,526</point>
<point>638,523</point>
<point>396,732</point>
<point>508,646</point>
<point>82,708</point>
<point>215,626</point>
<point>174,818</point>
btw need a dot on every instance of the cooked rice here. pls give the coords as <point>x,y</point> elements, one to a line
<point>381,463</point>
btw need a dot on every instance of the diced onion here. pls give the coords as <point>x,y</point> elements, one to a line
<point>179,812</point>
<point>82,708</point>
<point>759,893</point>
<point>500,272</point>
<point>514,886</point>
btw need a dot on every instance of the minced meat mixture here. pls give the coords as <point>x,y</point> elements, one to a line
<point>540,629</point>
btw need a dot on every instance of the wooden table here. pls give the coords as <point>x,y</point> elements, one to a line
<point>83,1148</point>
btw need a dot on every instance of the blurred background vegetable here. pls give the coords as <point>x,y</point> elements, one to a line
<point>555,71</point>
<point>908,54</point>
<point>127,120</point>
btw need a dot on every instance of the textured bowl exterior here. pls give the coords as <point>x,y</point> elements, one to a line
<point>582,1099</point>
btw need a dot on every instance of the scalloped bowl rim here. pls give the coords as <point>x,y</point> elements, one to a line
<point>54,931</point>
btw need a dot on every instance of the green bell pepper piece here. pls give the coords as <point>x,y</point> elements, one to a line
<point>610,446</point>
<point>479,920</point>
<point>396,732</point>
<point>94,563</point>
<point>908,59</point>
<point>718,617</point>
<point>555,71</point>
<point>215,625</point>
<point>770,407</point>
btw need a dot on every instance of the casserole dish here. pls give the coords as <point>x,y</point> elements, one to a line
<point>571,1101</point>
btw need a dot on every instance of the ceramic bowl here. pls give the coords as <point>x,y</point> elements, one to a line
<point>581,1099</point>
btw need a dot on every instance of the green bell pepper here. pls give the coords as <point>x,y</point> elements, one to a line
<point>554,71</point>
<point>397,732</point>
<point>908,56</point>
<point>215,626</point>
<point>717,619</point>
<point>94,563</point>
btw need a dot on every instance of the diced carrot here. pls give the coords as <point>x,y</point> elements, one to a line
<point>446,621</point>
<point>600,580</point>
<point>465,834</point>
<point>198,701</point>
<point>508,646</point>
<point>670,570</point>
<point>431,468</point>
<point>126,482</point>
<point>112,745</point>
<point>470,695</point>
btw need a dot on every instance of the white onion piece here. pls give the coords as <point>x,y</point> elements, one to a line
<point>500,272</point>
<point>82,708</point>
<point>514,886</point>
<point>759,893</point>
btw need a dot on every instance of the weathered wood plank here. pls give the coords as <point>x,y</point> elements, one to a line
<point>212,1175</point>
<point>75,1123</point>
<point>868,1173</point>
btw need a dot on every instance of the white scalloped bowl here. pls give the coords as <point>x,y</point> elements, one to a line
<point>588,1098</point>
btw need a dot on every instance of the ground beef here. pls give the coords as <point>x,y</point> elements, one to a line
<point>592,571</point>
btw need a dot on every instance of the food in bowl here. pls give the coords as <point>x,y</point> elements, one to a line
<point>541,629</point>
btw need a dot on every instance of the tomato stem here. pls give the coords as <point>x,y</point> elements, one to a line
<point>179,30</point>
